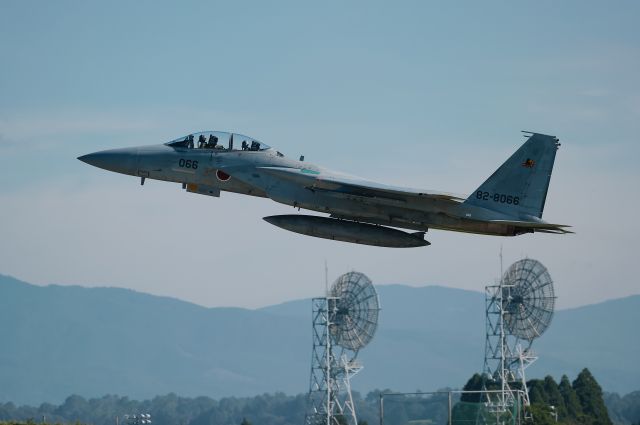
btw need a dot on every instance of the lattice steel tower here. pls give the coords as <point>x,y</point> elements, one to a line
<point>518,310</point>
<point>343,322</point>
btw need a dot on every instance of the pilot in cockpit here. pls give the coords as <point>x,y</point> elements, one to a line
<point>213,142</point>
<point>190,141</point>
<point>201,141</point>
<point>245,146</point>
<point>255,146</point>
<point>185,142</point>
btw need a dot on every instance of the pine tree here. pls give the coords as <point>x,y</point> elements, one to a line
<point>554,397</point>
<point>537,391</point>
<point>571,401</point>
<point>590,395</point>
<point>473,384</point>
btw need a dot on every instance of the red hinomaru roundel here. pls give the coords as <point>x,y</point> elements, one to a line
<point>222,176</point>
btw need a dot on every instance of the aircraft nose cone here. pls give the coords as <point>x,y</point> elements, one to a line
<point>118,160</point>
<point>88,158</point>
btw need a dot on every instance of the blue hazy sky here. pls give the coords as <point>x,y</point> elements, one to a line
<point>421,94</point>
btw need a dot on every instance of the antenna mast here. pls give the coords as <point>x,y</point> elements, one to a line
<point>518,310</point>
<point>326,278</point>
<point>344,321</point>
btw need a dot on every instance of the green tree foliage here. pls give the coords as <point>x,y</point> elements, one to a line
<point>554,397</point>
<point>537,391</point>
<point>28,422</point>
<point>571,401</point>
<point>578,404</point>
<point>473,384</point>
<point>374,396</point>
<point>542,415</point>
<point>547,402</point>
<point>589,393</point>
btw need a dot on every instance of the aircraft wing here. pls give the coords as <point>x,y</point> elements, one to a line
<point>353,187</point>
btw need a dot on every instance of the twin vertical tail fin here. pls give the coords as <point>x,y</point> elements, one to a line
<point>519,187</point>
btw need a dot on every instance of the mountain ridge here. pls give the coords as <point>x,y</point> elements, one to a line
<point>61,340</point>
<point>284,303</point>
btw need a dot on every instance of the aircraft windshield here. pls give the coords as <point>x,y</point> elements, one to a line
<point>218,140</point>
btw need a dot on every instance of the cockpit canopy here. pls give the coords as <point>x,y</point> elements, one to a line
<point>218,140</point>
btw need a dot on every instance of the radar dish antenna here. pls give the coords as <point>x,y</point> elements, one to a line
<point>519,309</point>
<point>528,299</point>
<point>355,311</point>
<point>344,321</point>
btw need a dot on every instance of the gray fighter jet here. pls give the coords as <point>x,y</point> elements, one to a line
<point>509,203</point>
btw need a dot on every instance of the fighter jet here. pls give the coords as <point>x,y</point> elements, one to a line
<point>509,203</point>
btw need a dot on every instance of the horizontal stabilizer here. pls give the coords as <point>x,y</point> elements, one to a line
<point>536,226</point>
<point>562,231</point>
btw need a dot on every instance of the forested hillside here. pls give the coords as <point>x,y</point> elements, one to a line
<point>580,402</point>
